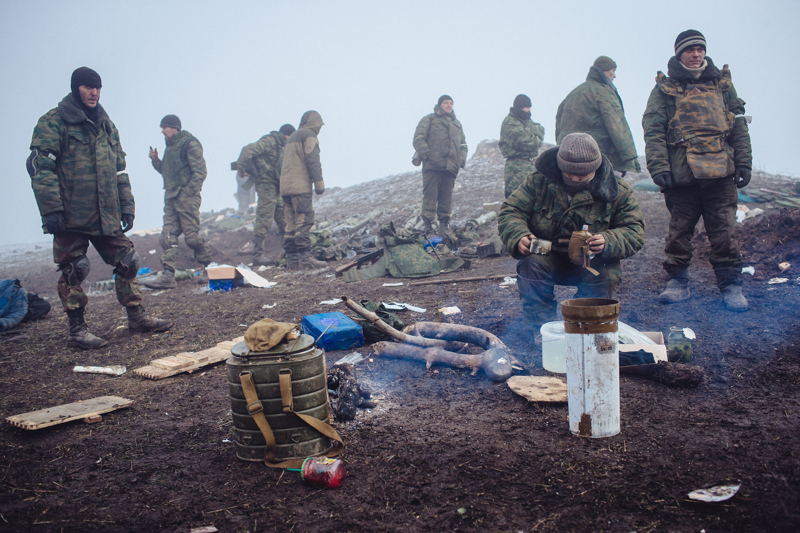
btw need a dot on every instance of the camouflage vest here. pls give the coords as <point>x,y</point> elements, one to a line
<point>701,124</point>
<point>175,166</point>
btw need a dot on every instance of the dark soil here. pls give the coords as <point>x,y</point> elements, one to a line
<point>443,449</point>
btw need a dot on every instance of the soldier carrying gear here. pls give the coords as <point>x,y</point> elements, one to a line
<point>184,171</point>
<point>698,151</point>
<point>78,175</point>
<point>520,140</point>
<point>573,186</point>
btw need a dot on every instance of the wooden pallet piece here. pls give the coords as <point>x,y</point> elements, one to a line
<point>539,388</point>
<point>186,361</point>
<point>88,410</point>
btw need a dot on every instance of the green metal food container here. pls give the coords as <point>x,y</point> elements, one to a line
<point>293,437</point>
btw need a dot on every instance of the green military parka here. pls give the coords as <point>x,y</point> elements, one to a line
<point>440,142</point>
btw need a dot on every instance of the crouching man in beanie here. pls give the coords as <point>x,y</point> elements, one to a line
<point>573,188</point>
<point>78,175</point>
<point>698,152</point>
<point>520,140</point>
<point>184,171</point>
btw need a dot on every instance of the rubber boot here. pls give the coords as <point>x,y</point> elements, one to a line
<point>138,321</point>
<point>79,336</point>
<point>165,281</point>
<point>677,289</point>
<point>307,261</point>
<point>729,283</point>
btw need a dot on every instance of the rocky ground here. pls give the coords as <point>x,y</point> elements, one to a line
<point>443,449</point>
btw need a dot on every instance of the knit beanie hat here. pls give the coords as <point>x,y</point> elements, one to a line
<point>171,121</point>
<point>287,129</point>
<point>605,63</point>
<point>443,98</point>
<point>579,154</point>
<point>84,76</point>
<point>522,101</point>
<point>689,38</point>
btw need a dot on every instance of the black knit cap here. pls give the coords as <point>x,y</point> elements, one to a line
<point>171,121</point>
<point>522,101</point>
<point>689,38</point>
<point>84,76</point>
<point>287,129</point>
<point>443,98</point>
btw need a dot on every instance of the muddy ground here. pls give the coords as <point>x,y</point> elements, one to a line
<point>444,450</point>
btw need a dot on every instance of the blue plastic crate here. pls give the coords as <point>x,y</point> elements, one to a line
<point>344,333</point>
<point>224,284</point>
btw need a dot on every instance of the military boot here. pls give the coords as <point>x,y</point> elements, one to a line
<point>677,287</point>
<point>258,252</point>
<point>427,226</point>
<point>165,281</point>
<point>138,321</point>
<point>308,262</point>
<point>79,336</point>
<point>293,261</point>
<point>729,283</point>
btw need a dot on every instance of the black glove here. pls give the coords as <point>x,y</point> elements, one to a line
<point>741,177</point>
<point>54,222</point>
<point>663,180</point>
<point>127,222</point>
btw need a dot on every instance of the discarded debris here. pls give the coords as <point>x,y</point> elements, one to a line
<point>539,388</point>
<point>784,266</point>
<point>187,361</point>
<point>68,412</point>
<point>749,270</point>
<point>678,375</point>
<point>454,310</point>
<point>346,393</point>
<point>204,529</point>
<point>777,281</point>
<point>267,306</point>
<point>331,302</point>
<point>350,359</point>
<point>508,282</point>
<point>720,493</point>
<point>323,472</point>
<point>397,306</point>
<point>630,335</point>
<point>113,370</point>
<point>398,284</point>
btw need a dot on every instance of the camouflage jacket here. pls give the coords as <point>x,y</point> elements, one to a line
<point>541,206</point>
<point>520,138</point>
<point>183,167</point>
<point>668,145</point>
<point>78,166</point>
<point>301,165</point>
<point>440,142</point>
<point>262,159</point>
<point>595,107</point>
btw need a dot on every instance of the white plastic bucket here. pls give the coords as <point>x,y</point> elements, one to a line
<point>592,361</point>
<point>554,348</point>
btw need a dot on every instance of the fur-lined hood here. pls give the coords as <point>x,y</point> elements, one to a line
<point>72,112</point>
<point>602,187</point>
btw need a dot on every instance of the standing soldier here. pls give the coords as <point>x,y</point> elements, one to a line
<point>520,140</point>
<point>441,145</point>
<point>698,152</point>
<point>595,107</point>
<point>301,170</point>
<point>262,161</point>
<point>78,175</point>
<point>184,171</point>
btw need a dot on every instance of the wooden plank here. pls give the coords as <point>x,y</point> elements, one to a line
<point>68,412</point>
<point>539,388</point>
<point>339,272</point>
<point>158,369</point>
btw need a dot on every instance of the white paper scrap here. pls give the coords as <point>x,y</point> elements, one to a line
<point>400,284</point>
<point>720,493</point>
<point>508,281</point>
<point>263,268</point>
<point>689,334</point>
<point>151,252</point>
<point>267,306</point>
<point>255,280</point>
<point>351,358</point>
<point>749,270</point>
<point>454,310</point>
<point>331,302</point>
<point>408,306</point>
<point>113,370</point>
<point>776,281</point>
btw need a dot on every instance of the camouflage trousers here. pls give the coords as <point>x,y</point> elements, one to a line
<point>716,202</point>
<point>182,215</point>
<point>537,276</point>
<point>515,173</point>
<point>245,194</point>
<point>299,211</point>
<point>71,245</point>
<point>437,195</point>
<point>270,206</point>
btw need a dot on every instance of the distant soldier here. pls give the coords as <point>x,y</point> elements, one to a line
<point>520,140</point>
<point>573,186</point>
<point>184,171</point>
<point>301,171</point>
<point>78,175</point>
<point>698,152</point>
<point>262,161</point>
<point>441,145</point>
<point>595,107</point>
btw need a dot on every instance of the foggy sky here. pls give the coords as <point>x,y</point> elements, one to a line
<point>235,71</point>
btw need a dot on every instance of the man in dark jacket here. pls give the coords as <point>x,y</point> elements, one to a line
<point>184,171</point>
<point>698,151</point>
<point>441,145</point>
<point>520,140</point>
<point>77,169</point>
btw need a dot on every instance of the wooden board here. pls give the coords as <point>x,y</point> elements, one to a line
<point>539,388</point>
<point>186,361</point>
<point>86,409</point>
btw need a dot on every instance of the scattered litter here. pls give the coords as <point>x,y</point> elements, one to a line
<point>331,302</point>
<point>689,334</point>
<point>740,216</point>
<point>743,208</point>
<point>399,284</point>
<point>143,271</point>
<point>205,529</point>
<point>251,278</point>
<point>630,335</point>
<point>59,414</point>
<point>754,212</point>
<point>267,306</point>
<point>187,361</point>
<point>397,306</point>
<point>201,289</point>
<point>226,441</point>
<point>244,325</point>
<point>157,293</point>
<point>113,370</point>
<point>539,388</point>
<point>776,281</point>
<point>720,493</point>
<point>371,360</point>
<point>454,310</point>
<point>350,359</point>
<point>152,252</point>
<point>508,282</point>
<point>749,270</point>
<point>263,268</point>
<point>784,266</point>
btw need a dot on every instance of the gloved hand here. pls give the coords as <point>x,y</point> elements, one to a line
<point>663,179</point>
<point>319,186</point>
<point>742,177</point>
<point>127,222</point>
<point>54,223</point>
